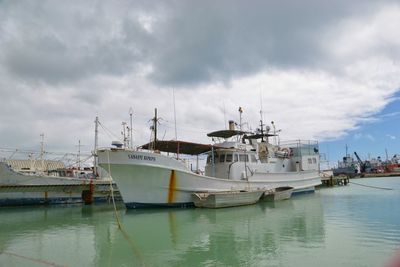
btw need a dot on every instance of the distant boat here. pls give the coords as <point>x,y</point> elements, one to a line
<point>347,167</point>
<point>226,198</point>
<point>237,161</point>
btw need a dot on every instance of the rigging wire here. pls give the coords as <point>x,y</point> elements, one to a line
<point>108,132</point>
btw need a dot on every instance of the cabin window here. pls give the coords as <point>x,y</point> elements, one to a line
<point>253,158</point>
<point>228,158</point>
<point>235,158</point>
<point>243,157</point>
<point>309,161</point>
<point>222,158</point>
<point>209,159</point>
<point>314,160</point>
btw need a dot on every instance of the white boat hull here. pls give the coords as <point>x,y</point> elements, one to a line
<point>148,179</point>
<point>226,199</point>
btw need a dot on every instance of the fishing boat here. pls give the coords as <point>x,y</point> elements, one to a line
<point>36,180</point>
<point>226,199</point>
<point>279,193</point>
<point>237,160</point>
<point>54,185</point>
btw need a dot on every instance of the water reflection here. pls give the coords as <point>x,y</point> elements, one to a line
<point>235,236</point>
<point>348,226</point>
<point>177,237</point>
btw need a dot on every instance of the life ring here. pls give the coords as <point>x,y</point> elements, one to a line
<point>287,151</point>
<point>263,151</point>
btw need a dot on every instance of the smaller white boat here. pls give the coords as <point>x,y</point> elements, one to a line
<point>226,199</point>
<point>279,193</point>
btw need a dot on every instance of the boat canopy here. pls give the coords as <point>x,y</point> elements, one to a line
<point>258,136</point>
<point>226,133</point>
<point>180,147</point>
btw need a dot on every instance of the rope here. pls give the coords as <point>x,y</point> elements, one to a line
<point>112,192</point>
<point>371,186</point>
<point>33,259</point>
<point>135,250</point>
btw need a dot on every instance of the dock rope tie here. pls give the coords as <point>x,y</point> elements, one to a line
<point>371,186</point>
<point>135,249</point>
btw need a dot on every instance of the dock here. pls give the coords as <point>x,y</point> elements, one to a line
<point>334,180</point>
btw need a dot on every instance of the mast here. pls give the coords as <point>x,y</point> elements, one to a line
<point>79,154</point>
<point>124,133</point>
<point>96,132</point>
<point>273,126</point>
<point>42,151</point>
<point>155,119</point>
<point>261,126</point>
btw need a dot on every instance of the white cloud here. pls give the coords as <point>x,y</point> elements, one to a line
<point>392,137</point>
<point>110,67</point>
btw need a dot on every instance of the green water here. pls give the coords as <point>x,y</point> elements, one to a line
<point>342,226</point>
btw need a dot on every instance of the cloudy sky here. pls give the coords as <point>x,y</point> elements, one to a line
<point>323,70</point>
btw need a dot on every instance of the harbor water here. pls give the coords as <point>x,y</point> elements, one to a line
<point>354,225</point>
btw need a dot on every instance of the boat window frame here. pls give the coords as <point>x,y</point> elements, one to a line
<point>229,157</point>
<point>243,156</point>
<point>221,158</point>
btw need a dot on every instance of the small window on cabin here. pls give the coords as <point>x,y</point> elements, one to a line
<point>253,158</point>
<point>222,158</point>
<point>235,158</point>
<point>309,161</point>
<point>243,157</point>
<point>216,158</point>
<point>209,159</point>
<point>314,160</point>
<point>228,158</point>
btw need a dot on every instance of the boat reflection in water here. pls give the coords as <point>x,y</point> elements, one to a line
<point>249,235</point>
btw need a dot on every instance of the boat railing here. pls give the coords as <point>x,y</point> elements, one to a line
<point>301,147</point>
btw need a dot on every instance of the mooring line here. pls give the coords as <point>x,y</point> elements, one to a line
<point>134,248</point>
<point>371,186</point>
<point>33,259</point>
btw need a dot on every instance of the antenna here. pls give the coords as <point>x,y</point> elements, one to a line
<point>131,130</point>
<point>173,95</point>
<point>224,115</point>
<point>240,118</point>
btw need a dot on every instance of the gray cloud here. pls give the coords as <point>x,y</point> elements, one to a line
<point>185,42</point>
<point>55,43</point>
<point>215,40</point>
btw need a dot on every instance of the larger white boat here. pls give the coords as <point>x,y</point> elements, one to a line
<point>237,161</point>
